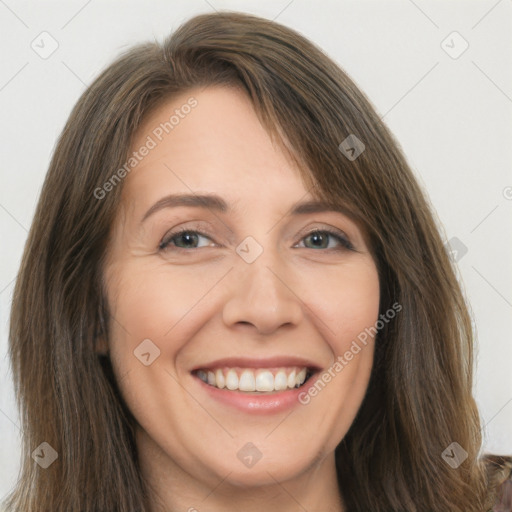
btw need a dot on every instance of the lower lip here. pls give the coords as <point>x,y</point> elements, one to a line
<point>258,404</point>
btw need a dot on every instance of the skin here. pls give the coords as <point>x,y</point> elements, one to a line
<point>203,303</point>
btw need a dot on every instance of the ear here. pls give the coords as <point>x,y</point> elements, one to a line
<point>100,344</point>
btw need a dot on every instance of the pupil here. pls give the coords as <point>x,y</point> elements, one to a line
<point>187,236</point>
<point>317,237</point>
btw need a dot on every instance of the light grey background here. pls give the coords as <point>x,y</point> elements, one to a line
<point>451,116</point>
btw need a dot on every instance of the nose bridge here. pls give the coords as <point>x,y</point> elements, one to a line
<point>262,276</point>
<point>260,294</point>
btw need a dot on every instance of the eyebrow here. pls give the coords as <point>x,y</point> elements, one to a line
<point>216,203</point>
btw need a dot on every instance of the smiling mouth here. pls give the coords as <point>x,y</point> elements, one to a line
<point>253,380</point>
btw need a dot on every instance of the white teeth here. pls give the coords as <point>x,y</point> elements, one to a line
<point>301,377</point>
<point>247,382</point>
<point>280,380</point>
<point>250,380</point>
<point>265,381</point>
<point>221,381</point>
<point>232,380</point>
<point>291,379</point>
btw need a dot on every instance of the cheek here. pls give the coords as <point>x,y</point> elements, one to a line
<point>152,302</point>
<point>346,302</point>
<point>346,309</point>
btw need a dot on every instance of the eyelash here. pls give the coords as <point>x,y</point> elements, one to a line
<point>345,244</point>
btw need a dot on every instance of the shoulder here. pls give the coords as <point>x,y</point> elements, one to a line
<point>499,473</point>
<point>504,497</point>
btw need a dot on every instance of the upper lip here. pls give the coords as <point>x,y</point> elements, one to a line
<point>268,362</point>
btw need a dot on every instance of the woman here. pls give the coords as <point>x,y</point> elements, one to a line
<point>236,297</point>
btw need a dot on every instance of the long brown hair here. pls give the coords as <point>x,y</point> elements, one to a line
<point>419,399</point>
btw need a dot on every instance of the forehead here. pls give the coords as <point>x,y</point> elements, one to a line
<point>217,144</point>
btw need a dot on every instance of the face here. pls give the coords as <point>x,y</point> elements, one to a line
<point>240,291</point>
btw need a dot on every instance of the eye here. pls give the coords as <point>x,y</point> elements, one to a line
<point>322,238</point>
<point>183,239</point>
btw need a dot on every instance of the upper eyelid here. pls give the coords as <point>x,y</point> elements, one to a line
<point>199,225</point>
<point>203,229</point>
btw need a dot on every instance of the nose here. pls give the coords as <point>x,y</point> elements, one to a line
<point>262,295</point>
